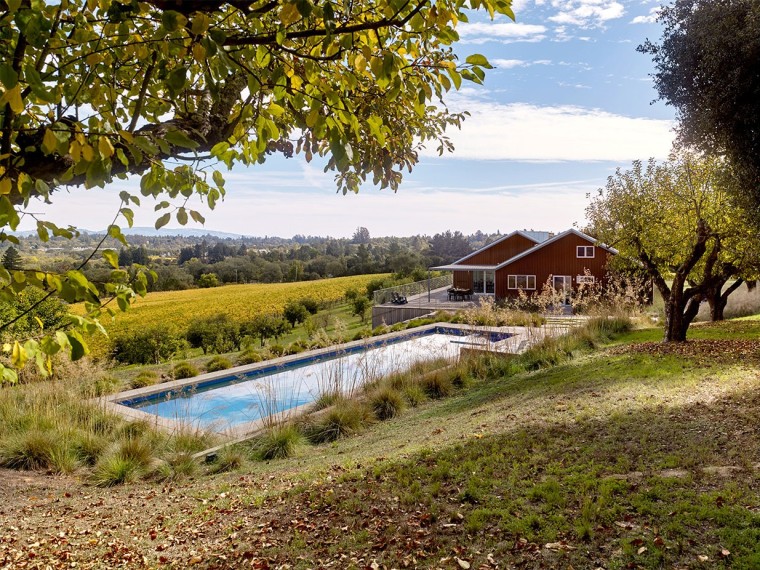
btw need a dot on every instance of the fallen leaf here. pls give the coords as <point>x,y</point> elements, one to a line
<point>463,563</point>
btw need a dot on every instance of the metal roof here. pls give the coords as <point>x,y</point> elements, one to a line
<point>456,266</point>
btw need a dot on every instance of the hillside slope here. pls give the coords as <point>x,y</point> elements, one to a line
<point>636,456</point>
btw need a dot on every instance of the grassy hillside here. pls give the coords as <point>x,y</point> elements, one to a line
<point>240,302</point>
<point>638,455</point>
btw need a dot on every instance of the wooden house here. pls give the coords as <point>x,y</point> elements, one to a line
<point>525,261</point>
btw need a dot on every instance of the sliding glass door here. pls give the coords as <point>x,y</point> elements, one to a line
<point>483,282</point>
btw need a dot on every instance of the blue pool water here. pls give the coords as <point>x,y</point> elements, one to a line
<point>236,399</point>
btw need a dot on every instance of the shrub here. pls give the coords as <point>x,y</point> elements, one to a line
<point>310,304</point>
<point>343,419</point>
<point>250,356</point>
<point>218,363</point>
<point>214,334</point>
<point>295,312</point>
<point>386,403</point>
<point>144,378</point>
<point>277,349</point>
<point>150,346</point>
<point>207,280</point>
<point>278,443</point>
<point>183,370</point>
<point>437,384</point>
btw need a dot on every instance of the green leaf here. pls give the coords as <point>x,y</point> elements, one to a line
<point>163,220</point>
<point>176,80</point>
<point>129,215</point>
<point>172,20</point>
<point>8,76</point>
<point>178,138</point>
<point>218,178</point>
<point>197,217</point>
<point>182,216</point>
<point>34,80</point>
<point>111,257</point>
<point>478,59</point>
<point>42,232</point>
<point>78,346</point>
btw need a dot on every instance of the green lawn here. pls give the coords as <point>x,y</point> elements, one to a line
<point>616,459</point>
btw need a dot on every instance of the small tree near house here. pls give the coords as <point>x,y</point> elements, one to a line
<point>678,220</point>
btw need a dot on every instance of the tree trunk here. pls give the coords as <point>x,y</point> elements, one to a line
<point>680,311</point>
<point>718,300</point>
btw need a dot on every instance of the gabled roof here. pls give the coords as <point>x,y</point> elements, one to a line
<point>526,235</point>
<point>558,237</point>
<point>527,252</point>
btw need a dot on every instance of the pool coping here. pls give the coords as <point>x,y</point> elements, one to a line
<point>116,402</point>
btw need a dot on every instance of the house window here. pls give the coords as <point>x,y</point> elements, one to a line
<point>521,282</point>
<point>584,279</point>
<point>585,251</point>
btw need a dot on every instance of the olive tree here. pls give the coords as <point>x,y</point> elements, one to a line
<point>170,91</point>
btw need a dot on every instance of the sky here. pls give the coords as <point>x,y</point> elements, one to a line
<point>569,100</point>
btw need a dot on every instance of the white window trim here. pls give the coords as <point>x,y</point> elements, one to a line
<point>528,278</point>
<point>585,279</point>
<point>585,250</point>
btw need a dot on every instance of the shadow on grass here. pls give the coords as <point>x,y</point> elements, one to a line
<point>623,490</point>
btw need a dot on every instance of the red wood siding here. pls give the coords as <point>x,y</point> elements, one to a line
<point>558,258</point>
<point>463,279</point>
<point>501,251</point>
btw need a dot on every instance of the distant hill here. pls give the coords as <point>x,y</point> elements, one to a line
<point>151,232</point>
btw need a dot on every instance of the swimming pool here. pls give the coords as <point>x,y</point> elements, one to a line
<point>246,395</point>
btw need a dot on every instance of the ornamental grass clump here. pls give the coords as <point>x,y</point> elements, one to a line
<point>249,356</point>
<point>386,403</point>
<point>437,384</point>
<point>343,419</point>
<point>279,442</point>
<point>184,370</point>
<point>144,378</point>
<point>218,363</point>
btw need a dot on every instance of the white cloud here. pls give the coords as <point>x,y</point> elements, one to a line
<point>650,18</point>
<point>511,63</point>
<point>526,132</point>
<point>507,32</point>
<point>586,13</point>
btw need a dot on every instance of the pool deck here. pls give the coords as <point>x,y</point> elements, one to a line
<point>521,338</point>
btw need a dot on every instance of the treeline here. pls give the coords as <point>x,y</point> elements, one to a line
<point>207,262</point>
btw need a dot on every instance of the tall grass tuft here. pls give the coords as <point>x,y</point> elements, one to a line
<point>386,403</point>
<point>144,378</point>
<point>229,458</point>
<point>115,469</point>
<point>184,370</point>
<point>28,450</point>
<point>437,384</point>
<point>218,363</point>
<point>343,419</point>
<point>278,442</point>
